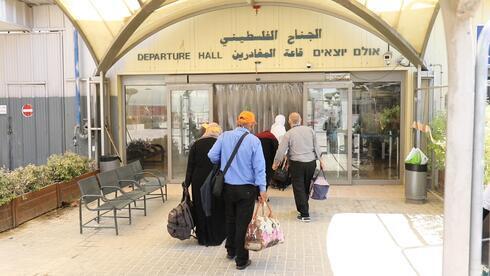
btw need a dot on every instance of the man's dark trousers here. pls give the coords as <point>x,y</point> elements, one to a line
<point>239,208</point>
<point>301,175</point>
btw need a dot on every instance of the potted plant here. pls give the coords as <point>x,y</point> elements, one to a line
<point>437,145</point>
<point>137,149</point>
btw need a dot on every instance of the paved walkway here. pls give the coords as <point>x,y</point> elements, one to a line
<point>359,230</point>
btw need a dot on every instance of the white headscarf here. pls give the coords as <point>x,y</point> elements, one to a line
<point>278,128</point>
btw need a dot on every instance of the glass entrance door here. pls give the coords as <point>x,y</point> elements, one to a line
<point>328,110</point>
<point>190,108</point>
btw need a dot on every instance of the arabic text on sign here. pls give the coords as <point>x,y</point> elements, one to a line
<point>254,54</point>
<point>309,36</point>
<point>266,35</point>
<point>298,52</point>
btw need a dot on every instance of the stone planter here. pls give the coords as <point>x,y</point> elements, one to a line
<point>68,191</point>
<point>34,204</point>
<point>6,216</point>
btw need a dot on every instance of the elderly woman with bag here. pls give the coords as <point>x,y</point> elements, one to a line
<point>209,230</point>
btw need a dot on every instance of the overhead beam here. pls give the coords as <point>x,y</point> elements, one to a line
<point>429,29</point>
<point>131,26</point>
<point>386,30</point>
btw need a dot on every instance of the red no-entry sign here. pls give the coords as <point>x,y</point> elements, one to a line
<point>27,110</point>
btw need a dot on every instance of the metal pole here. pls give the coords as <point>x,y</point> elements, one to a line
<point>418,104</point>
<point>481,76</point>
<point>77,79</point>
<point>102,114</point>
<point>89,119</point>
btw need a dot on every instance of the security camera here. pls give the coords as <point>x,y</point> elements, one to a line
<point>308,65</point>
<point>387,57</point>
<point>404,62</point>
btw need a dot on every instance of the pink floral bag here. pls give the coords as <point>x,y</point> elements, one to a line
<point>263,231</point>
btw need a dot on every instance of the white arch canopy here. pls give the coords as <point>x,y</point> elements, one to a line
<point>111,28</point>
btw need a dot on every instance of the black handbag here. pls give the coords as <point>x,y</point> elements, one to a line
<point>219,177</point>
<point>281,175</point>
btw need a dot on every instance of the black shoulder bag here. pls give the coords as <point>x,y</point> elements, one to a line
<point>219,178</point>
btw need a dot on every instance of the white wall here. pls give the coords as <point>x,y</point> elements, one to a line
<point>15,16</point>
<point>436,60</point>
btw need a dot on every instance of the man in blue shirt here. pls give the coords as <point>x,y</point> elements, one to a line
<point>245,174</point>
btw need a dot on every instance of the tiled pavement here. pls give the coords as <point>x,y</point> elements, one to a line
<point>359,230</point>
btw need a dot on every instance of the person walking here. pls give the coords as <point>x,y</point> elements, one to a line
<point>269,148</point>
<point>209,230</point>
<point>303,151</point>
<point>246,172</point>
<point>278,128</point>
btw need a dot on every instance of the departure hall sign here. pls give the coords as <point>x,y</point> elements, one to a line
<point>259,53</point>
<point>277,39</point>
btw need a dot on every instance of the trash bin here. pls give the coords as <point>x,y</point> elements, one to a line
<point>109,162</point>
<point>415,183</point>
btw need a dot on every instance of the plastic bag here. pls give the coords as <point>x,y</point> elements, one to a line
<point>416,157</point>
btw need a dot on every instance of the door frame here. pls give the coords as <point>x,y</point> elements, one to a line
<point>342,85</point>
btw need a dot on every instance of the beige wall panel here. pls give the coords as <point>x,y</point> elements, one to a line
<point>356,48</point>
<point>483,15</point>
<point>56,17</point>
<point>41,17</point>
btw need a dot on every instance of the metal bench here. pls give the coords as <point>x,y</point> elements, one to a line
<point>110,184</point>
<point>147,180</point>
<point>91,192</point>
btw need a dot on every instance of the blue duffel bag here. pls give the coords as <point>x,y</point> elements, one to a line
<point>319,187</point>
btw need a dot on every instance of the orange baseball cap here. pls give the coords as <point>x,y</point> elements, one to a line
<point>246,117</point>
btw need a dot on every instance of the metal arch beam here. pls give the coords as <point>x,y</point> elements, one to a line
<point>131,26</point>
<point>227,6</point>
<point>386,30</point>
<point>79,29</point>
<point>429,29</point>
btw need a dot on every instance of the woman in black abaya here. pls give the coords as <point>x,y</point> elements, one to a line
<point>210,231</point>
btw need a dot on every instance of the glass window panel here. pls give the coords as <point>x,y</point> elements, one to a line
<point>190,109</point>
<point>376,130</point>
<point>327,112</point>
<point>146,125</point>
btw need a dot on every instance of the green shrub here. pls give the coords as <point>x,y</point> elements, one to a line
<point>6,191</point>
<point>438,146</point>
<point>28,179</point>
<point>67,166</point>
